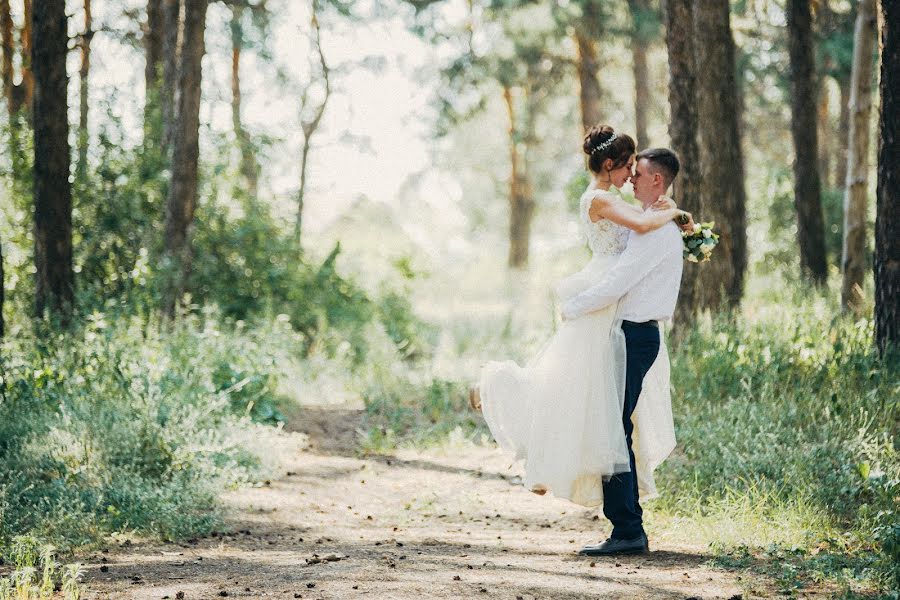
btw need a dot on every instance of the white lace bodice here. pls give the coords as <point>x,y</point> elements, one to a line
<point>604,236</point>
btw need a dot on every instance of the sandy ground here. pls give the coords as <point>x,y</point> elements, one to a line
<point>441,524</point>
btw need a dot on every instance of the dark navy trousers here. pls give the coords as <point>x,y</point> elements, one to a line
<point>620,492</point>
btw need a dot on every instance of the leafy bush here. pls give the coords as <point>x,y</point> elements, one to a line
<point>128,424</point>
<point>790,413</point>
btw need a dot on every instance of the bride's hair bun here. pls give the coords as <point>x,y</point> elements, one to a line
<point>602,142</point>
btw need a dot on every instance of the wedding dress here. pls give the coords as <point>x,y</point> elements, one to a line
<point>562,412</point>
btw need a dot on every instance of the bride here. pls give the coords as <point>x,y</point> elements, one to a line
<point>562,412</point>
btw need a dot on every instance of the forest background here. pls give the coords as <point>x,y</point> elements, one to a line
<point>213,211</point>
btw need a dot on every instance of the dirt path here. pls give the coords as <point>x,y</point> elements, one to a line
<point>414,525</point>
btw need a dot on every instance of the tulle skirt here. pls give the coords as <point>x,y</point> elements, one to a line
<point>562,412</point>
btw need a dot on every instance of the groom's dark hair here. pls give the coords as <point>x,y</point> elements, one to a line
<point>664,161</point>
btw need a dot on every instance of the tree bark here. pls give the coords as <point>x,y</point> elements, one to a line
<point>887,220</point>
<point>83,73</point>
<point>171,49</point>
<point>153,49</point>
<point>640,12</point>
<point>853,260</point>
<point>54,279</point>
<point>589,89</point>
<point>823,122</point>
<point>18,96</point>
<point>8,43</point>
<point>807,186</point>
<point>521,196</point>
<point>182,196</point>
<point>842,137</point>
<point>683,133</point>
<point>249,167</point>
<point>721,185</point>
<point>25,98</point>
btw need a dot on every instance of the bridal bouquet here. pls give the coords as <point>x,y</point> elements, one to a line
<point>699,243</point>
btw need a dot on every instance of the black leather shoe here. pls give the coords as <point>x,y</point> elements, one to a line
<point>612,547</point>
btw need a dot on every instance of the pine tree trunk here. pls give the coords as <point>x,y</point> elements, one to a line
<point>249,167</point>
<point>721,184</point>
<point>83,73</point>
<point>640,10</point>
<point>26,96</point>
<point>182,195</point>
<point>887,220</point>
<point>842,137</point>
<point>683,133</point>
<point>54,280</point>
<point>853,259</point>
<point>153,49</point>
<point>521,197</point>
<point>8,47</point>
<point>589,88</point>
<point>807,186</point>
<point>823,114</point>
<point>171,50</point>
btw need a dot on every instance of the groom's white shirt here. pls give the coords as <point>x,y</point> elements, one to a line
<point>646,277</point>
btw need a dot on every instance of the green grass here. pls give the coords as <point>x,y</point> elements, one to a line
<point>37,575</point>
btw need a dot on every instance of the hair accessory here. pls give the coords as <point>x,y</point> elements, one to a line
<point>605,144</point>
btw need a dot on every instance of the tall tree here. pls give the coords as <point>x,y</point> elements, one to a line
<point>25,95</point>
<point>83,74</point>
<point>644,28</point>
<point>171,58</point>
<point>153,51</point>
<point>588,65</point>
<point>833,40</point>
<point>182,195</point>
<point>807,186</point>
<point>683,133</point>
<point>249,167</point>
<point>823,130</point>
<point>853,259</point>
<point>311,112</point>
<point>522,64</point>
<point>521,191</point>
<point>887,220</point>
<point>54,279</point>
<point>9,49</point>
<point>720,155</point>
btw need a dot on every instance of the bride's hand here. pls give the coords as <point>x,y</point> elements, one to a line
<point>687,225</point>
<point>663,203</point>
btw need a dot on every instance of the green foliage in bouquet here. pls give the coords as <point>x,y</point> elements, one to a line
<point>699,243</point>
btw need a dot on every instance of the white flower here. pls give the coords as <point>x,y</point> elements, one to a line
<point>692,258</point>
<point>697,228</point>
<point>707,233</point>
<point>706,248</point>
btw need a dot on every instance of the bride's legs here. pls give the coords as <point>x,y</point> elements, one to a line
<point>475,397</point>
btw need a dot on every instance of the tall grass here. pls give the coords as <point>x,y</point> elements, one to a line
<point>125,424</point>
<point>787,426</point>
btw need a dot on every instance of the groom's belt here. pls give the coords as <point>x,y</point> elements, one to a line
<point>641,324</point>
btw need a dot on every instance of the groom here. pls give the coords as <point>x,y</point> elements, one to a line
<point>645,283</point>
